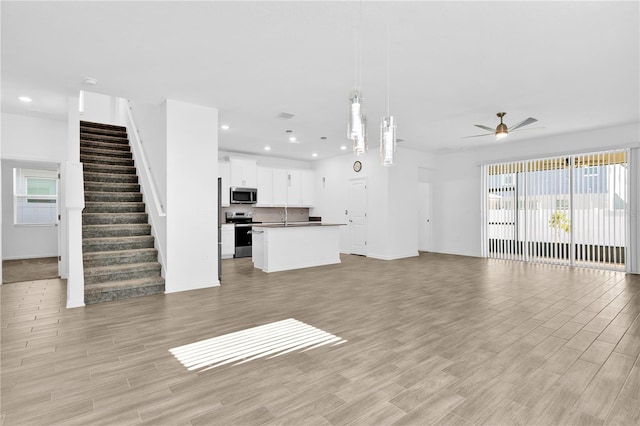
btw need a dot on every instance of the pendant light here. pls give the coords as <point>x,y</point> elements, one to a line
<point>357,123</point>
<point>388,123</point>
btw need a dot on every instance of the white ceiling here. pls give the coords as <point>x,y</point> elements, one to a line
<point>572,65</point>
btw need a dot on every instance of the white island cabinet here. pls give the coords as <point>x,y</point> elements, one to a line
<point>295,245</point>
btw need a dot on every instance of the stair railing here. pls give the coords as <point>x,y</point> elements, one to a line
<point>157,211</point>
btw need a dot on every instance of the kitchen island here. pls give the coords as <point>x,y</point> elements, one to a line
<point>295,245</point>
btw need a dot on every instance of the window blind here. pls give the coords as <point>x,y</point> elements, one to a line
<point>569,210</point>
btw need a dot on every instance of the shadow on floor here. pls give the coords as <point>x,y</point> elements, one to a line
<point>19,270</point>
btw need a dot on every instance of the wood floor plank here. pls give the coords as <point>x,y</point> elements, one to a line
<point>433,339</point>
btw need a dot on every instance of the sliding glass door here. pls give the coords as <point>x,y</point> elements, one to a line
<point>569,210</point>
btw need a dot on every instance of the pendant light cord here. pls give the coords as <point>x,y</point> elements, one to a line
<point>388,68</point>
<point>360,55</point>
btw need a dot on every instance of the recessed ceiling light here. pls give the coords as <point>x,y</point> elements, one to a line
<point>25,99</point>
<point>343,148</point>
<point>90,80</point>
<point>267,148</point>
<point>292,139</point>
<point>225,127</point>
<point>315,154</point>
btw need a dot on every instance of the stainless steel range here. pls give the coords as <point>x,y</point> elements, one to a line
<point>243,222</point>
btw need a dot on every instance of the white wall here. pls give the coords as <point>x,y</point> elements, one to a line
<point>35,142</point>
<point>33,139</point>
<point>192,199</point>
<point>151,120</point>
<point>100,108</point>
<point>456,192</point>
<point>267,161</point>
<point>391,205</point>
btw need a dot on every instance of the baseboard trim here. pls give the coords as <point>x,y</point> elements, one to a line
<point>37,256</point>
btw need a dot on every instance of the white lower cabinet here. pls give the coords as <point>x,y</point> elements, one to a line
<point>228,241</point>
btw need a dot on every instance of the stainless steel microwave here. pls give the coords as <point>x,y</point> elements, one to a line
<point>243,195</point>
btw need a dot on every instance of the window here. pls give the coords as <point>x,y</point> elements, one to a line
<point>35,197</point>
<point>569,220</point>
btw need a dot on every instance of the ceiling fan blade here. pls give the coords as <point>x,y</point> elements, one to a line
<point>477,136</point>
<point>526,122</point>
<point>526,130</point>
<point>485,127</point>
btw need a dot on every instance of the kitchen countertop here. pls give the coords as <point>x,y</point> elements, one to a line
<point>295,224</point>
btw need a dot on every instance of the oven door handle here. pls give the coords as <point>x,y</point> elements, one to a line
<point>255,232</point>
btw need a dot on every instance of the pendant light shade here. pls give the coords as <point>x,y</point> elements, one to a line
<point>360,142</point>
<point>354,126</point>
<point>387,140</point>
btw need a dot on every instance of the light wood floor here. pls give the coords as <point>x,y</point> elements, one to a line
<point>19,270</point>
<point>435,339</point>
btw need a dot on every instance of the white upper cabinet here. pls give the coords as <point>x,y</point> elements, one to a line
<point>294,188</point>
<point>265,187</point>
<point>224,172</point>
<point>307,188</point>
<point>276,187</point>
<point>280,187</point>
<point>243,173</point>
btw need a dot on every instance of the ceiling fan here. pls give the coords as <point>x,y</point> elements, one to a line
<point>502,130</point>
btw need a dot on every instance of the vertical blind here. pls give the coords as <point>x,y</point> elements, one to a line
<point>569,210</point>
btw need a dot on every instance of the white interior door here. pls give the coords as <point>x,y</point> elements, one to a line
<point>358,216</point>
<point>425,239</point>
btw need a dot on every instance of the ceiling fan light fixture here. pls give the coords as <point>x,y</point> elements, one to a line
<point>501,131</point>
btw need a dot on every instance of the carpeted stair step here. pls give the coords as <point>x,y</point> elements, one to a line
<point>104,138</point>
<point>112,197</point>
<point>113,207</point>
<point>101,131</point>
<point>117,290</point>
<point>123,230</point>
<point>131,271</point>
<point>111,153</point>
<point>116,243</point>
<point>106,159</point>
<point>110,177</point>
<point>113,218</point>
<point>109,168</point>
<point>95,125</point>
<point>104,145</point>
<point>110,187</point>
<point>119,257</point>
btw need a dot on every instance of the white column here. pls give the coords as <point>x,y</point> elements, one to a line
<point>192,199</point>
<point>73,203</point>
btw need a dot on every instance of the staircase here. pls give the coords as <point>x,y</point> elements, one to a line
<point>119,259</point>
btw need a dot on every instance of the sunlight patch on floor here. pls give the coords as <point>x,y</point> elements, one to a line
<point>265,341</point>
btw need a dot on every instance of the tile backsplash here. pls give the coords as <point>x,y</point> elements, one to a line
<point>270,214</point>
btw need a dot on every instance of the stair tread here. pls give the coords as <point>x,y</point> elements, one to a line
<point>112,239</point>
<point>118,253</point>
<point>101,270</point>
<point>117,226</point>
<point>94,124</point>
<point>102,151</point>
<point>115,285</point>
